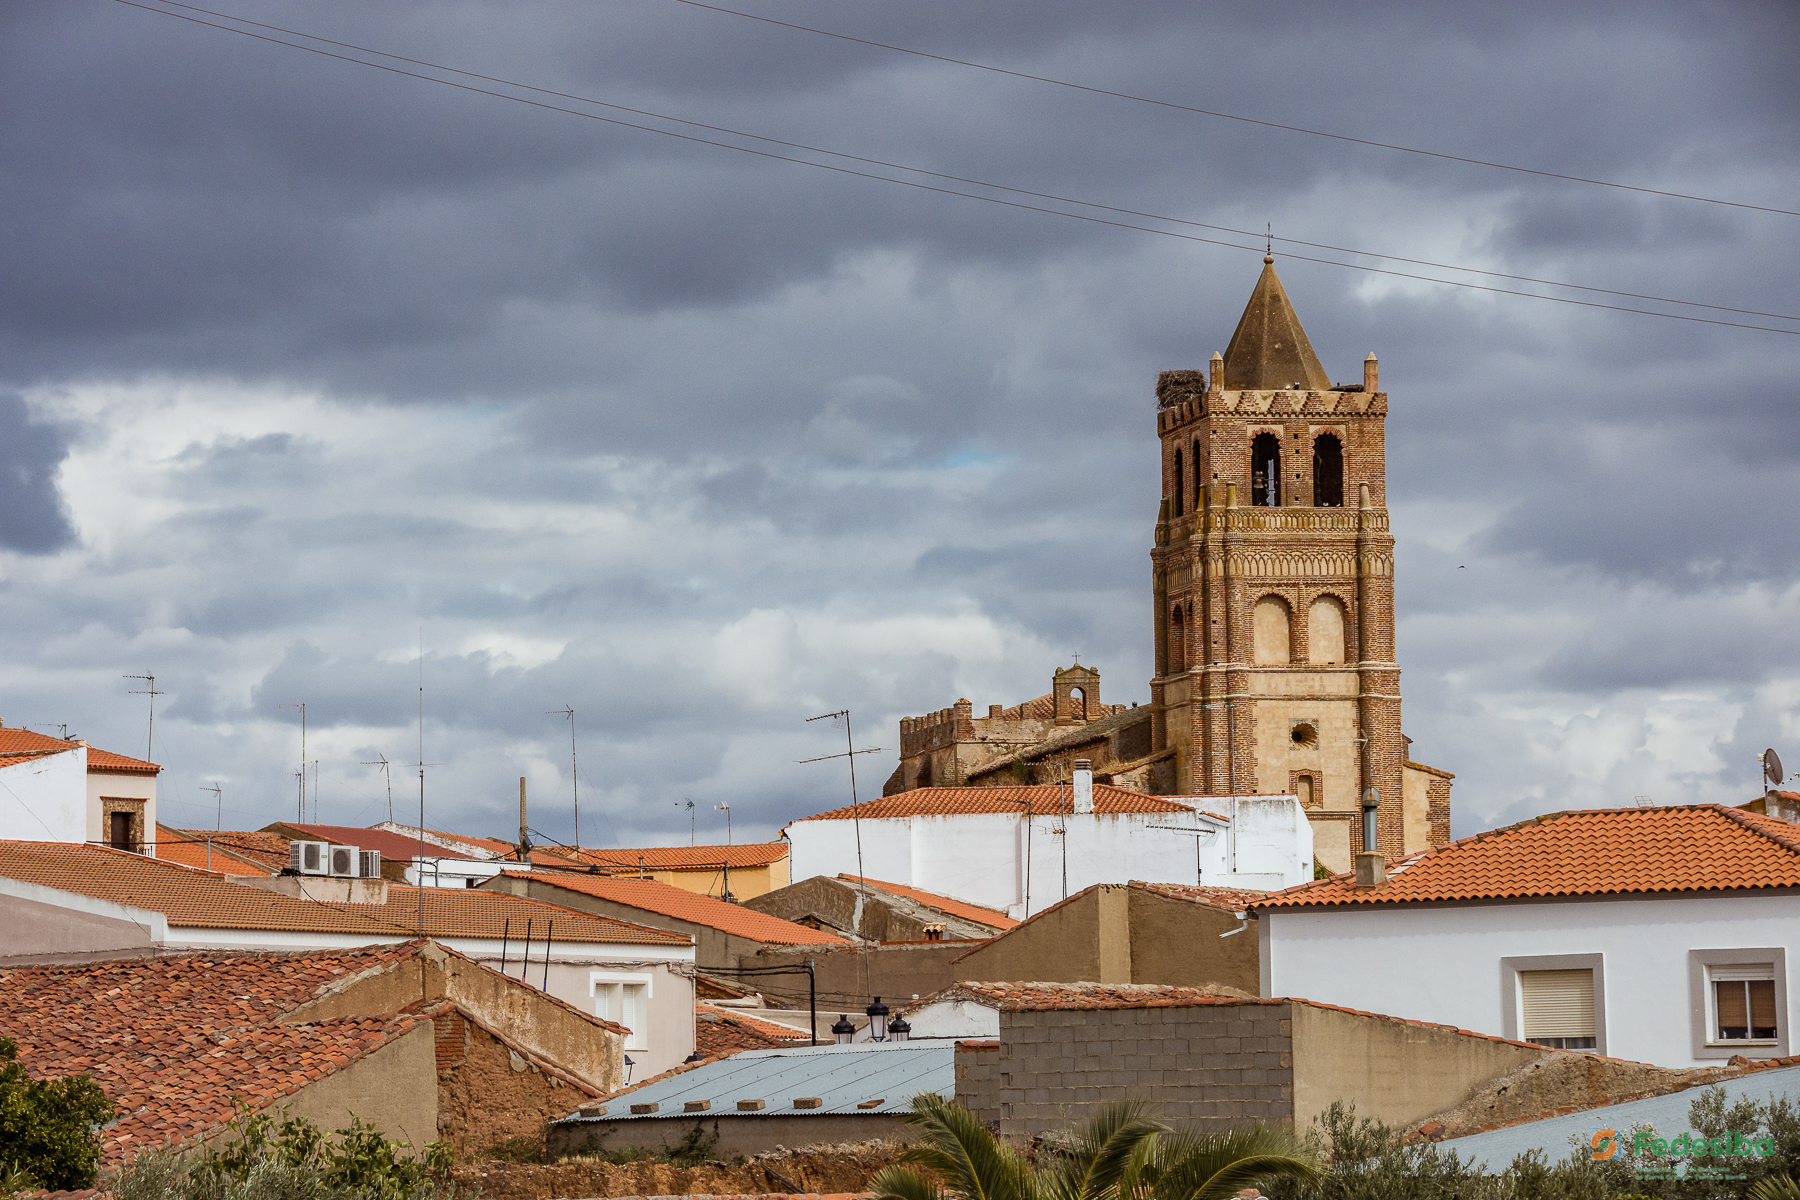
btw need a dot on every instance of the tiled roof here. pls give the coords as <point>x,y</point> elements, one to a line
<point>1045,800</point>
<point>1038,997</point>
<point>201,899</point>
<point>664,858</point>
<point>394,847</point>
<point>719,1031</point>
<point>174,1040</point>
<point>1227,899</point>
<point>100,762</point>
<point>1613,851</point>
<point>992,918</point>
<point>268,849</point>
<point>1043,708</point>
<point>218,853</point>
<point>670,901</point>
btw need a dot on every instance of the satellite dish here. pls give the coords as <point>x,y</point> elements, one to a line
<point>1772,767</point>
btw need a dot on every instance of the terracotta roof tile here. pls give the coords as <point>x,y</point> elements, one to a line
<point>1038,997</point>
<point>991,917</point>
<point>1044,800</point>
<point>228,852</point>
<point>394,847</point>
<point>100,762</point>
<point>1043,708</point>
<point>663,858</point>
<point>1224,898</point>
<point>719,1031</point>
<point>1614,851</point>
<point>203,899</point>
<point>670,901</point>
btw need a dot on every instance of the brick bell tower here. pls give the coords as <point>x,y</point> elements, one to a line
<point>1273,576</point>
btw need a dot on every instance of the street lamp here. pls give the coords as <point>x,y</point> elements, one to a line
<point>898,1030</point>
<point>878,1020</point>
<point>628,1065</point>
<point>843,1031</point>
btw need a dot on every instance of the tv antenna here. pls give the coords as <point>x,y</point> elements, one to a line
<point>690,808</point>
<point>382,762</point>
<point>849,755</point>
<point>726,809</point>
<point>218,795</point>
<point>57,725</point>
<point>150,691</point>
<point>301,705</point>
<point>1771,765</point>
<point>574,773</point>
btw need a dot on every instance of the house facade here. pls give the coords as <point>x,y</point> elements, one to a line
<point>1022,849</point>
<point>1659,935</point>
<point>64,790</point>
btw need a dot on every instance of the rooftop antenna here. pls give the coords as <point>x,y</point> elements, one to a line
<point>1771,765</point>
<point>419,862</point>
<point>315,810</point>
<point>301,705</point>
<point>150,691</point>
<point>58,725</point>
<point>574,774</point>
<point>218,795</point>
<point>382,762</point>
<point>849,755</point>
<point>690,808</point>
<point>726,808</point>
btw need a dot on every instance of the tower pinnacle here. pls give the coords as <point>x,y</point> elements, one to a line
<point>1270,350</point>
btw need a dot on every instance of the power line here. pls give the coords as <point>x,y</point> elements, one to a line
<point>951,191</point>
<point>1225,116</point>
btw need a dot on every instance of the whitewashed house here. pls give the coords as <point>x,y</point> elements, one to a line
<point>1022,849</point>
<point>58,790</point>
<point>1654,934</point>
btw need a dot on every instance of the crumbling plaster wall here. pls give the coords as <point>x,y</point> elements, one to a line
<point>488,1092</point>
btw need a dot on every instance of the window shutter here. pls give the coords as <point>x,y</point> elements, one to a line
<point>1721,974</point>
<point>1762,1006</point>
<point>1729,995</point>
<point>1557,1003</point>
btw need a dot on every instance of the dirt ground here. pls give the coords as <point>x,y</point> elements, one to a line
<point>838,1167</point>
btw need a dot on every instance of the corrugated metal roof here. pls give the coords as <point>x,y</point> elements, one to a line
<point>842,1077</point>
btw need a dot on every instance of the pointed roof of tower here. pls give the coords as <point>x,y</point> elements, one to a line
<point>1269,351</point>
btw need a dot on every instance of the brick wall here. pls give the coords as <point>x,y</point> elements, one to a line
<point>1216,1065</point>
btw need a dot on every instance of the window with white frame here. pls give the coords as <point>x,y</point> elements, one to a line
<point>624,1000</point>
<point>1738,1002</point>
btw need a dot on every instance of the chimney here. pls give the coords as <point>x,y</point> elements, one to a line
<point>1371,870</point>
<point>1084,786</point>
<point>1371,373</point>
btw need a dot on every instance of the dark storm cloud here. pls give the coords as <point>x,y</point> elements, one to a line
<point>32,515</point>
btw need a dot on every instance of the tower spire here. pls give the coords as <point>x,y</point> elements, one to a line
<point>1270,350</point>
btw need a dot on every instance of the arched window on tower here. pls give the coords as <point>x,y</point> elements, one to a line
<point>1271,628</point>
<point>1180,488</point>
<point>1325,631</point>
<point>1328,471</point>
<point>1265,471</point>
<point>1078,703</point>
<point>1199,485</point>
<point>1177,651</point>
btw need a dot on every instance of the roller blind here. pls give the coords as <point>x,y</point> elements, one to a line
<point>1557,1004</point>
<point>1722,973</point>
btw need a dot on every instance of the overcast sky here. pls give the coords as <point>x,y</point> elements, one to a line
<point>301,361</point>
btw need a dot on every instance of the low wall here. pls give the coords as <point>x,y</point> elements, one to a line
<point>737,1135</point>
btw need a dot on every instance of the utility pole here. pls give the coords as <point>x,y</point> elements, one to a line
<point>849,755</point>
<point>301,705</point>
<point>150,691</point>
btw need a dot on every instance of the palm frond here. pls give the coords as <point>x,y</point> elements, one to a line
<point>897,1183</point>
<point>1776,1187</point>
<point>1104,1155</point>
<point>976,1164</point>
<point>1197,1165</point>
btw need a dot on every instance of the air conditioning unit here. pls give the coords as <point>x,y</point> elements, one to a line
<point>368,864</point>
<point>343,862</point>
<point>309,858</point>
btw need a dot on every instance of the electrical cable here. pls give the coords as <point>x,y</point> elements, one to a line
<point>1225,116</point>
<point>978,183</point>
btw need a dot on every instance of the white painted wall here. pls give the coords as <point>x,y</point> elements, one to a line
<point>45,799</point>
<point>949,1019</point>
<point>123,787</point>
<point>1442,964</point>
<point>982,858</point>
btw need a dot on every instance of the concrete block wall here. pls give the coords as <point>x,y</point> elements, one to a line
<point>978,1080</point>
<point>1210,1065</point>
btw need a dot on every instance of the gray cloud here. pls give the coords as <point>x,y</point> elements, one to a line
<point>32,516</point>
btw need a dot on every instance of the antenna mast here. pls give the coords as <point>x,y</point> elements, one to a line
<point>301,705</point>
<point>219,795</point>
<point>382,762</point>
<point>574,772</point>
<point>150,691</point>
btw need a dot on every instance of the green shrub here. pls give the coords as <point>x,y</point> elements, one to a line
<point>49,1128</point>
<point>292,1160</point>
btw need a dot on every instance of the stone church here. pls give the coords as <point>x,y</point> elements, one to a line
<point>1272,586</point>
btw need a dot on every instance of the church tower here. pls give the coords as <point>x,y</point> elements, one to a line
<point>1273,579</point>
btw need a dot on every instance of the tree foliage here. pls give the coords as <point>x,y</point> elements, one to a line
<point>49,1128</point>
